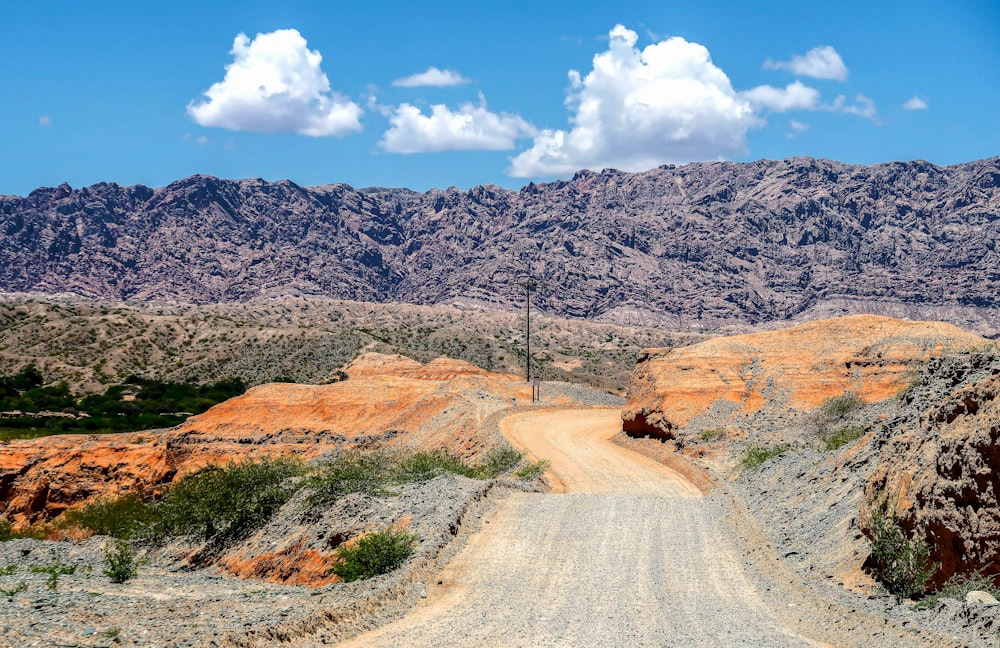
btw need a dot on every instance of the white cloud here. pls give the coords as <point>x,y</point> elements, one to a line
<point>915,103</point>
<point>471,127</point>
<point>638,109</point>
<point>795,96</point>
<point>819,63</point>
<point>863,106</point>
<point>432,77</point>
<point>44,120</point>
<point>796,127</point>
<point>275,85</point>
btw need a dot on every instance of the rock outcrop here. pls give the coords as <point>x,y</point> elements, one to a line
<point>943,470</point>
<point>794,369</point>
<point>713,245</point>
<point>386,401</point>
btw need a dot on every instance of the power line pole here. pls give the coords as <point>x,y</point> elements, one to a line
<point>528,286</point>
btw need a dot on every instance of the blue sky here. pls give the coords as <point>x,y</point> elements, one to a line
<point>433,94</point>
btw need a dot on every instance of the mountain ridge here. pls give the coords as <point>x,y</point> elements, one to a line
<point>727,245</point>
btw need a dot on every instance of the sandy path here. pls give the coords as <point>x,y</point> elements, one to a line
<point>626,555</point>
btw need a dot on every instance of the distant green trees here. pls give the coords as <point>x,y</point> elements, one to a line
<point>136,404</point>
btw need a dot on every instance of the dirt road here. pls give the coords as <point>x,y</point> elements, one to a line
<point>626,554</point>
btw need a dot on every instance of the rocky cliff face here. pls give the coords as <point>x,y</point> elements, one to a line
<point>716,244</point>
<point>944,472</point>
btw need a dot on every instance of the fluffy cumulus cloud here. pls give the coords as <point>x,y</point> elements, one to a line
<point>819,63</point>
<point>275,85</point>
<point>432,77</point>
<point>794,96</point>
<point>471,127</point>
<point>637,109</point>
<point>915,103</point>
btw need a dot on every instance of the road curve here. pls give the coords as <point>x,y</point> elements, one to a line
<point>626,554</point>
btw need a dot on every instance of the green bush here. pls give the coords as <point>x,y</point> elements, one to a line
<point>838,407</point>
<point>533,470</point>
<point>711,434</point>
<point>901,564</point>
<point>124,517</point>
<point>8,532</point>
<point>756,455</point>
<point>119,561</point>
<point>834,439</point>
<point>498,461</point>
<point>372,473</point>
<point>54,572</point>
<point>351,472</point>
<point>374,554</point>
<point>959,585</point>
<point>224,502</point>
<point>425,466</point>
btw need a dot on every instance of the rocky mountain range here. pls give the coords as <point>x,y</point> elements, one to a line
<point>706,245</point>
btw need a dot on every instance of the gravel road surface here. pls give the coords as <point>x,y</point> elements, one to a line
<point>626,553</point>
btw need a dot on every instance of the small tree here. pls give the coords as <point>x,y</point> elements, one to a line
<point>119,561</point>
<point>901,564</point>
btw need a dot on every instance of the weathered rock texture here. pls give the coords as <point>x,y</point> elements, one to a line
<point>943,469</point>
<point>792,369</point>
<point>712,245</point>
<point>387,401</point>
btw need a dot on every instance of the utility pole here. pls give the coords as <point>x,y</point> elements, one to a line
<point>529,284</point>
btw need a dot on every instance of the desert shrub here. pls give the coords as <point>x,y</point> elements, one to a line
<point>374,554</point>
<point>756,455</point>
<point>959,585</point>
<point>532,470</point>
<point>54,572</point>
<point>20,587</point>
<point>228,501</point>
<point>834,439</point>
<point>122,517</point>
<point>837,407</point>
<point>119,560</point>
<point>498,461</point>
<point>8,532</point>
<point>711,434</point>
<point>901,564</point>
<point>424,466</point>
<point>372,473</point>
<point>351,472</point>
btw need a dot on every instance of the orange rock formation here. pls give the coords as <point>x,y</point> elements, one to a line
<point>795,368</point>
<point>387,400</point>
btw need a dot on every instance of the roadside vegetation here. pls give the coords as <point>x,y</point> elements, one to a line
<point>33,409</point>
<point>217,504</point>
<point>757,455</point>
<point>901,564</point>
<point>374,554</point>
<point>958,587</point>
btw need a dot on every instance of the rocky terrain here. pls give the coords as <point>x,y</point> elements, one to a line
<point>93,343</point>
<point>923,433</point>
<point>274,584</point>
<point>733,379</point>
<point>386,401</point>
<point>705,245</point>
